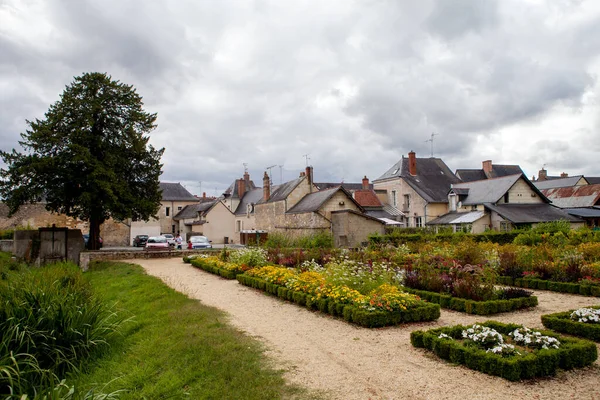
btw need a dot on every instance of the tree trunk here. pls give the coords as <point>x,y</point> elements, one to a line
<point>94,240</point>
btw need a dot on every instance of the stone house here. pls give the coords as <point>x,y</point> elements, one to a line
<point>500,204</point>
<point>582,201</point>
<point>559,182</point>
<point>418,187</point>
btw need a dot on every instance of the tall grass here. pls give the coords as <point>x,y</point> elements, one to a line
<point>51,323</point>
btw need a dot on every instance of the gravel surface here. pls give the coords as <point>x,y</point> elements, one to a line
<point>349,362</point>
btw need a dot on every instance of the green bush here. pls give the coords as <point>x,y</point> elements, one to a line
<point>562,322</point>
<point>573,353</point>
<point>561,287</point>
<point>51,323</point>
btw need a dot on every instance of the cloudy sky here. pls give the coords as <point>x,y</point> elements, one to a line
<point>353,84</point>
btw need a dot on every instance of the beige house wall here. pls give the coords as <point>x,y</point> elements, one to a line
<point>167,223</point>
<point>244,223</point>
<point>482,224</point>
<point>351,230</point>
<point>219,225</point>
<point>521,193</point>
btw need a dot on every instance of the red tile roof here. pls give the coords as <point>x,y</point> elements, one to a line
<point>367,198</point>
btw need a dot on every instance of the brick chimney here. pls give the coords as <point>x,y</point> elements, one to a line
<point>241,187</point>
<point>412,163</point>
<point>365,183</point>
<point>564,175</point>
<point>309,175</point>
<point>487,168</point>
<point>203,195</point>
<point>266,187</point>
<point>542,175</point>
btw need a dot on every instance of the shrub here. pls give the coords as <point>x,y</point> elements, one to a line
<point>250,256</point>
<point>564,322</point>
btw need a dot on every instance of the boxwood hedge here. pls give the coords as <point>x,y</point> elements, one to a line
<point>350,313</point>
<point>209,266</point>
<point>562,322</point>
<point>573,353</point>
<point>475,307</point>
<point>562,287</point>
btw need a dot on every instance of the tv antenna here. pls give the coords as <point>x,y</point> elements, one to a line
<point>270,176</point>
<point>431,140</point>
<point>245,167</point>
<point>306,156</point>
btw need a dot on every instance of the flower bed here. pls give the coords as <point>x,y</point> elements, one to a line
<point>575,322</point>
<point>215,266</point>
<point>383,306</point>
<point>541,284</point>
<point>506,350</point>
<point>475,307</point>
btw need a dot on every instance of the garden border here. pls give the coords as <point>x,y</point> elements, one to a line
<point>562,322</point>
<point>472,306</point>
<point>573,353</point>
<point>368,319</point>
<point>542,284</point>
<point>201,263</point>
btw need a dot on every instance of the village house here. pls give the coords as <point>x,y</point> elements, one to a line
<point>582,201</point>
<point>500,204</point>
<point>418,187</point>
<point>488,171</point>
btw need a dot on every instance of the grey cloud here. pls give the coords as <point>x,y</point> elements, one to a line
<point>452,19</point>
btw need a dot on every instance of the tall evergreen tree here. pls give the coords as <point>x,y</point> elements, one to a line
<point>89,157</point>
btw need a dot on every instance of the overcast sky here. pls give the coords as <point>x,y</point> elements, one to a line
<point>353,84</point>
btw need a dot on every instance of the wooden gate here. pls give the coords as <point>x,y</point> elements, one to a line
<point>53,244</point>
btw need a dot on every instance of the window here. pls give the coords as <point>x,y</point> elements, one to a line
<point>394,198</point>
<point>179,208</point>
<point>506,197</point>
<point>167,211</point>
<point>419,222</point>
<point>505,226</point>
<point>406,205</point>
<point>239,226</point>
<point>173,228</point>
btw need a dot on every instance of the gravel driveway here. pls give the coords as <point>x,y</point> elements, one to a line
<point>349,362</point>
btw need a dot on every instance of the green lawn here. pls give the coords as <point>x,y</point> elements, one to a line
<point>175,347</point>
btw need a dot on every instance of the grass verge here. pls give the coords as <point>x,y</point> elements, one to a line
<point>175,347</point>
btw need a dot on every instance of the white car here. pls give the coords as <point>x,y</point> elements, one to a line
<point>170,239</point>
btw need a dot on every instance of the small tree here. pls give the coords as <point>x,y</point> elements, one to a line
<point>89,157</point>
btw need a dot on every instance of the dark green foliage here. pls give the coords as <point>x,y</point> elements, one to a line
<point>213,268</point>
<point>561,322</point>
<point>561,287</point>
<point>573,353</point>
<point>369,319</point>
<point>89,157</point>
<point>402,236</point>
<point>476,307</point>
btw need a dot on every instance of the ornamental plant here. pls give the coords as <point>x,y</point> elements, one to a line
<point>250,256</point>
<point>533,339</point>
<point>586,315</point>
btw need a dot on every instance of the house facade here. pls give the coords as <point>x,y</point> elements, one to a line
<point>418,187</point>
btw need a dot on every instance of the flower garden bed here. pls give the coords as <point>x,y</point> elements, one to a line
<point>475,307</point>
<point>506,350</point>
<point>216,266</point>
<point>384,306</point>
<point>541,284</point>
<point>566,322</point>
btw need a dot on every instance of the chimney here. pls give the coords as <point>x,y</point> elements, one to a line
<point>412,163</point>
<point>266,187</point>
<point>487,168</point>
<point>241,187</point>
<point>203,195</point>
<point>564,175</point>
<point>365,183</point>
<point>309,175</point>
<point>542,175</point>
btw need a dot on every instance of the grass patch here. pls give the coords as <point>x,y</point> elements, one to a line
<point>175,347</point>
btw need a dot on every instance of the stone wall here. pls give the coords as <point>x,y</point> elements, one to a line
<point>86,257</point>
<point>352,230</point>
<point>40,246</point>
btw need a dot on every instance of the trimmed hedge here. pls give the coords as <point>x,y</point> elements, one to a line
<point>475,307</point>
<point>573,353</point>
<point>562,322</point>
<point>213,268</point>
<point>353,314</point>
<point>541,284</point>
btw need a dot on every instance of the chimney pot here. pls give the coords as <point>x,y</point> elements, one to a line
<point>203,195</point>
<point>365,183</point>
<point>542,175</point>
<point>241,188</point>
<point>412,163</point>
<point>564,175</point>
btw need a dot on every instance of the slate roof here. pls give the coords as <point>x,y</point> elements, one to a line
<point>281,192</point>
<point>557,183</point>
<point>392,210</point>
<point>432,181</point>
<point>574,196</point>
<point>314,201</point>
<point>498,171</point>
<point>531,213</point>
<point>489,190</point>
<point>367,198</point>
<point>175,192</point>
<point>458,218</point>
<point>252,196</point>
<point>359,214</point>
<point>590,212</point>
<point>191,211</point>
<point>232,190</point>
<point>593,180</point>
<point>348,186</point>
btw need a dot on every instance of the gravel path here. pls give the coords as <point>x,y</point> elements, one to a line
<point>348,362</point>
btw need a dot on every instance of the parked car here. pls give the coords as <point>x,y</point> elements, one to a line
<point>170,239</point>
<point>140,240</point>
<point>157,243</point>
<point>199,242</point>
<point>86,239</point>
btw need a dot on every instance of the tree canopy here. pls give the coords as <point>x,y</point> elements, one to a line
<point>89,157</point>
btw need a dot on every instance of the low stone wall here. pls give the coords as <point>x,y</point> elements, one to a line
<point>6,246</point>
<point>85,257</point>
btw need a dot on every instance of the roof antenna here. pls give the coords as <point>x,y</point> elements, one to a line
<point>245,167</point>
<point>431,140</point>
<point>307,158</point>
